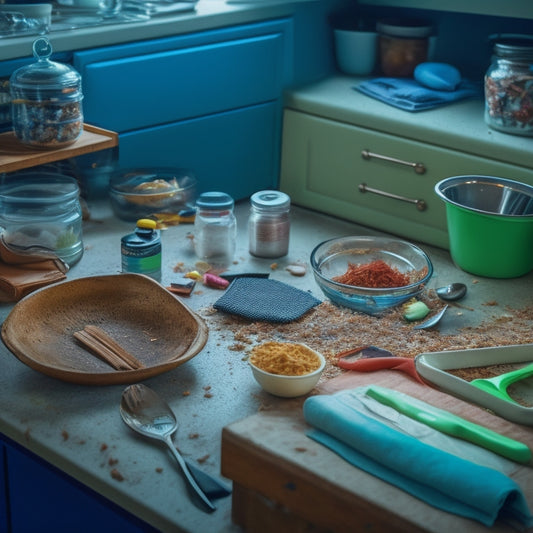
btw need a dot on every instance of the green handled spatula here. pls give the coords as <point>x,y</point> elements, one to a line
<point>497,386</point>
<point>451,424</point>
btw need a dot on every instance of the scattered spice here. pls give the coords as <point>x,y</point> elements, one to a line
<point>159,470</point>
<point>103,447</point>
<point>203,459</point>
<point>65,435</point>
<point>376,274</point>
<point>115,474</point>
<point>284,358</point>
<point>112,462</point>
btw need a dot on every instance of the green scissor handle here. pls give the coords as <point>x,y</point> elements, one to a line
<point>497,386</point>
<point>451,424</point>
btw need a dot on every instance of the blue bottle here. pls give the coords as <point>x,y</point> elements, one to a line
<point>141,250</point>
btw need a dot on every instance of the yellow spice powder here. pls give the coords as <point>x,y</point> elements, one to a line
<point>288,359</point>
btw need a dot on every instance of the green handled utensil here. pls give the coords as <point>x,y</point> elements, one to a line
<point>451,424</point>
<point>497,385</point>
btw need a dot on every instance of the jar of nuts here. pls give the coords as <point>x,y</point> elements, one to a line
<point>46,101</point>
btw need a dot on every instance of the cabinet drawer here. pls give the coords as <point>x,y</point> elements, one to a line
<point>241,163</point>
<point>181,78</point>
<point>323,168</point>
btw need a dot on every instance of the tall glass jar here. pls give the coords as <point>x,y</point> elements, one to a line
<point>215,228</point>
<point>42,210</point>
<point>46,101</point>
<point>269,224</point>
<point>509,86</point>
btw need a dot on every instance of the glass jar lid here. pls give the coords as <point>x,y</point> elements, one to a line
<point>45,76</point>
<point>215,201</point>
<point>517,47</point>
<point>270,199</point>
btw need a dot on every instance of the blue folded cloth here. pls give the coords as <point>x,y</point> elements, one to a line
<point>264,299</point>
<point>437,477</point>
<point>408,94</point>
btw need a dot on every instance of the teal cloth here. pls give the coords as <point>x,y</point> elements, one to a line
<point>439,478</point>
<point>408,94</point>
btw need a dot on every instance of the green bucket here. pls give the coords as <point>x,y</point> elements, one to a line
<point>490,225</point>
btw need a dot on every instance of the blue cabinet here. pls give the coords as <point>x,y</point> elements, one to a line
<point>209,101</point>
<point>4,516</point>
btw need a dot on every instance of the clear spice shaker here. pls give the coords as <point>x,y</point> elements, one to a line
<point>269,224</point>
<point>215,228</point>
<point>509,86</point>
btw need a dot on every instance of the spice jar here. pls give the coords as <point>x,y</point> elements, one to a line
<point>42,211</point>
<point>403,44</point>
<point>509,86</point>
<point>141,250</point>
<point>215,228</point>
<point>269,224</point>
<point>46,101</point>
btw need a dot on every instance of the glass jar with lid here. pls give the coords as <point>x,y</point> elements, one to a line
<point>46,101</point>
<point>403,44</point>
<point>215,228</point>
<point>41,211</point>
<point>269,224</point>
<point>509,86</point>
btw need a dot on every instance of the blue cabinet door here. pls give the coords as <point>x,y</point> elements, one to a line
<point>4,516</point>
<point>237,151</point>
<point>44,499</point>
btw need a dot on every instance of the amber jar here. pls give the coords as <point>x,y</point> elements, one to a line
<point>403,44</point>
<point>509,86</point>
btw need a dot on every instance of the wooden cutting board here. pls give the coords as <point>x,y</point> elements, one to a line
<point>284,481</point>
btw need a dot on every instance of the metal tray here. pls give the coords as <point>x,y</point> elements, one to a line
<point>433,366</point>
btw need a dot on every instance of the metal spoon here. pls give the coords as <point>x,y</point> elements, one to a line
<point>452,292</point>
<point>145,412</point>
<point>430,322</point>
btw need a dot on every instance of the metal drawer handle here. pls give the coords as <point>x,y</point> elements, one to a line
<point>419,168</point>
<point>420,204</point>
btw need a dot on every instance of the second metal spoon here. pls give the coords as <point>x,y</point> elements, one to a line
<point>432,321</point>
<point>145,412</point>
<point>452,292</point>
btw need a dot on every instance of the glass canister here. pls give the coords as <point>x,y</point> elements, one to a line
<point>215,228</point>
<point>42,210</point>
<point>141,250</point>
<point>46,98</point>
<point>269,224</point>
<point>509,86</point>
<point>403,44</point>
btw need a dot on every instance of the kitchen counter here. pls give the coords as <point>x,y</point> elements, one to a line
<point>209,14</point>
<point>78,428</point>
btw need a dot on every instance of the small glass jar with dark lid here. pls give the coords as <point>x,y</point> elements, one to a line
<point>509,86</point>
<point>46,101</point>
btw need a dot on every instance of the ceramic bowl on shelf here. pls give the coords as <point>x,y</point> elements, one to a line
<point>289,386</point>
<point>141,192</point>
<point>331,259</point>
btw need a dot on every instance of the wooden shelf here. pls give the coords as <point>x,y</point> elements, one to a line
<point>16,156</point>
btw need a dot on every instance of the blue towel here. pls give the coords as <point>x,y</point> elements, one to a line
<point>439,478</point>
<point>410,95</point>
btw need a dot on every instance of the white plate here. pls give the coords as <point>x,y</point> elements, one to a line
<point>433,366</point>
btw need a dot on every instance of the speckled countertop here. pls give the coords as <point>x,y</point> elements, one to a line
<point>39,412</point>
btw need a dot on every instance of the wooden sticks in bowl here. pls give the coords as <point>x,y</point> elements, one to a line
<point>105,347</point>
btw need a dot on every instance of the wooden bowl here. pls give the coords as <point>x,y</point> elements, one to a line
<point>138,313</point>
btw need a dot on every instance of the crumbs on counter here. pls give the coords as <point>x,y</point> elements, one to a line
<point>300,449</point>
<point>112,462</point>
<point>203,459</point>
<point>193,435</point>
<point>186,393</point>
<point>492,303</point>
<point>115,474</point>
<point>159,470</point>
<point>65,435</point>
<point>330,329</point>
<point>103,447</point>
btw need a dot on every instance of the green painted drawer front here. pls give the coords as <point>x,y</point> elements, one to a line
<point>322,168</point>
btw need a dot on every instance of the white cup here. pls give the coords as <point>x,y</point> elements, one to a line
<point>356,51</point>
